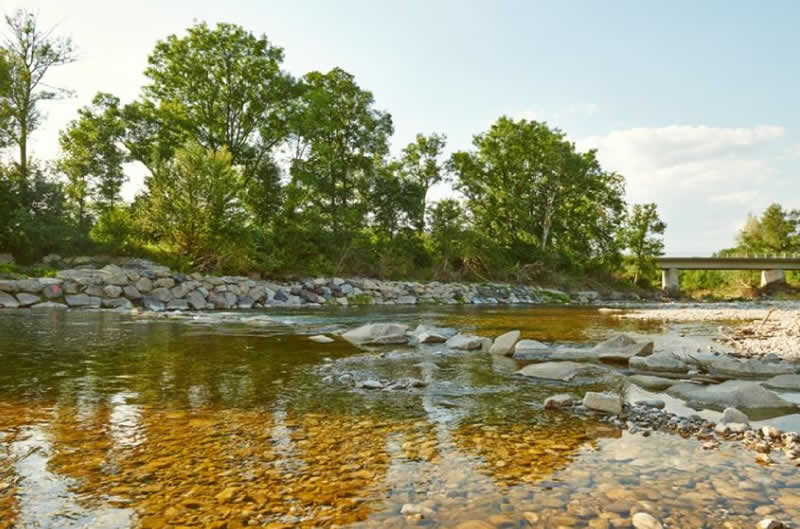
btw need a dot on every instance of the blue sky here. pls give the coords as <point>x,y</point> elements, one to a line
<point>696,103</point>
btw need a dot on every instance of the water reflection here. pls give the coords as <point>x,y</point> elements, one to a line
<point>107,421</point>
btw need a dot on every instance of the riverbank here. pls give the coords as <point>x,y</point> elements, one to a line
<point>129,283</point>
<point>764,332</point>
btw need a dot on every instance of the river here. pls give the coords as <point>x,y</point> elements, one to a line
<point>109,420</point>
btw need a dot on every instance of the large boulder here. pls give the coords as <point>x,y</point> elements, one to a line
<point>532,350</point>
<point>740,394</point>
<point>783,382</point>
<point>565,371</point>
<point>378,334</point>
<point>468,342</point>
<point>504,344</point>
<point>605,402</point>
<point>196,300</point>
<point>659,363</point>
<point>732,415</point>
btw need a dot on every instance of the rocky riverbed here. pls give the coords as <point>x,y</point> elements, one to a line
<point>767,332</point>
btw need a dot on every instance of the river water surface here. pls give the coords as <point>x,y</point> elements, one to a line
<point>226,421</point>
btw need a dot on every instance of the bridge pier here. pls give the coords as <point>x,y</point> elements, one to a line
<point>671,281</point>
<point>769,277</point>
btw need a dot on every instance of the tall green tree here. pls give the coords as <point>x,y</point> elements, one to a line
<point>642,234</point>
<point>531,191</point>
<point>92,158</point>
<point>396,202</point>
<point>195,205</point>
<point>774,233</point>
<point>423,163</point>
<point>341,140</point>
<point>446,219</point>
<point>221,87</point>
<point>31,53</point>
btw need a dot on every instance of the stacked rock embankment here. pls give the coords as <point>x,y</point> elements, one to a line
<point>133,283</point>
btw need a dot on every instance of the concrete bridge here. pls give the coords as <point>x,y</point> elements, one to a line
<point>772,268</point>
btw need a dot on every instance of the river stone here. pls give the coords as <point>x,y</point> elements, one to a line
<point>378,334</point>
<point>178,304</point>
<point>8,301</point>
<point>144,284</point>
<point>468,342</point>
<point>321,338</point>
<point>739,394</point>
<point>112,291</point>
<point>652,382</point>
<point>9,285</point>
<point>531,350</point>
<point>605,402</point>
<point>662,362</point>
<point>730,415</point>
<point>504,344</point>
<point>562,400</point>
<point>26,300</point>
<point>749,368</point>
<point>131,292</point>
<point>784,382</point>
<point>651,403</point>
<point>32,286</point>
<point>621,348</point>
<point>642,520</point>
<point>117,303</point>
<point>474,524</point>
<point>196,300</point>
<point>565,371</point>
<point>52,291</point>
<point>82,300</point>
<point>162,294</point>
<point>769,523</point>
<point>153,304</point>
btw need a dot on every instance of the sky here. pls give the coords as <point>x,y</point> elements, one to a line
<point>695,103</point>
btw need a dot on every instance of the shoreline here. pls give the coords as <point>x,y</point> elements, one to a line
<point>140,283</point>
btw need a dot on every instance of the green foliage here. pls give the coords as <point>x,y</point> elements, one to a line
<point>774,233</point>
<point>195,206</point>
<point>530,190</point>
<point>340,139</point>
<point>30,54</point>
<point>641,236</point>
<point>423,165</point>
<point>92,159</point>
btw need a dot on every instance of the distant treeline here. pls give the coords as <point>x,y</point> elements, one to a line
<point>250,169</point>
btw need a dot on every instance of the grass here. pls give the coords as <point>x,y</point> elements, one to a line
<point>13,270</point>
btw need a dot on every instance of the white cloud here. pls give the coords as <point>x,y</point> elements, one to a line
<point>702,178</point>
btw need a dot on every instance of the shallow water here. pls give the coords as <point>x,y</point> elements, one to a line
<point>107,420</point>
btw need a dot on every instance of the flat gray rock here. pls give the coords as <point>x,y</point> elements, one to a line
<point>378,334</point>
<point>740,394</point>
<point>749,368</point>
<point>468,342</point>
<point>532,350</point>
<point>783,382</point>
<point>565,371</point>
<point>659,363</point>
<point>652,382</point>
<point>605,402</point>
<point>8,301</point>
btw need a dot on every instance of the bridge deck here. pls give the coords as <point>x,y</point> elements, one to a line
<point>729,263</point>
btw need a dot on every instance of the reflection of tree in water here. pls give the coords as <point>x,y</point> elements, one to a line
<point>519,453</point>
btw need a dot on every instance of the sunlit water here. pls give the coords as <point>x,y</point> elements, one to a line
<point>224,421</point>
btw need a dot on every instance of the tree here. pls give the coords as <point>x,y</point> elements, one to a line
<point>31,53</point>
<point>641,233</point>
<point>774,233</point>
<point>92,158</point>
<point>446,219</point>
<point>339,144</point>
<point>530,190</point>
<point>195,205</point>
<point>221,87</point>
<point>422,163</point>
<point>396,202</point>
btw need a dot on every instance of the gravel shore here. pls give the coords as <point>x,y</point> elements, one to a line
<point>757,333</point>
